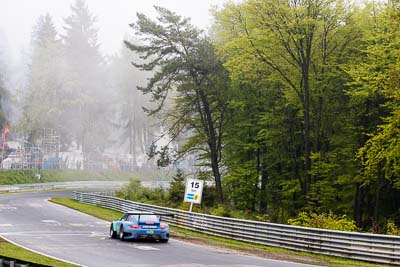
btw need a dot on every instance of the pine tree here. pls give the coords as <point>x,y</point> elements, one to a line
<point>87,97</point>
<point>187,68</point>
<point>43,102</point>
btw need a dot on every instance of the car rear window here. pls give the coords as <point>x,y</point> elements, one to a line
<point>148,217</point>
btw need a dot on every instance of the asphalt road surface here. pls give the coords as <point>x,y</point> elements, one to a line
<point>30,220</point>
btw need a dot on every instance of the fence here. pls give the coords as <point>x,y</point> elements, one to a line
<point>65,185</point>
<point>6,261</point>
<point>359,246</point>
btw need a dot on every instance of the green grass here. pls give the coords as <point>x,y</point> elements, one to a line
<point>200,238</point>
<point>11,251</point>
<point>29,176</point>
<point>99,212</point>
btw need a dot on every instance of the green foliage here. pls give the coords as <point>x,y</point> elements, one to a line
<point>29,176</point>
<point>186,65</point>
<point>220,210</point>
<point>135,191</point>
<point>176,189</point>
<point>18,177</point>
<point>240,186</point>
<point>324,220</point>
<point>392,228</point>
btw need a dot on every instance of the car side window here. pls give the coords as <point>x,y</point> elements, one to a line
<point>124,217</point>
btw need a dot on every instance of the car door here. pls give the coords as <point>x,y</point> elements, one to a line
<point>121,221</point>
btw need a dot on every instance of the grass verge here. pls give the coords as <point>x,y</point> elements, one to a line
<point>8,177</point>
<point>12,251</point>
<point>224,243</point>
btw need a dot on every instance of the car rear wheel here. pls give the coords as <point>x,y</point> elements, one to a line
<point>121,234</point>
<point>164,240</point>
<point>113,234</point>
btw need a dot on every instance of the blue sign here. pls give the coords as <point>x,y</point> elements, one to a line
<point>190,196</point>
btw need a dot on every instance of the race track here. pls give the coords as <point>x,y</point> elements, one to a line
<point>30,220</point>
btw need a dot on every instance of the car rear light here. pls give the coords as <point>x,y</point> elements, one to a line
<point>134,226</point>
<point>162,226</point>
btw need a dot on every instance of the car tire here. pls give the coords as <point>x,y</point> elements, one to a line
<point>113,234</point>
<point>121,234</point>
<point>164,240</point>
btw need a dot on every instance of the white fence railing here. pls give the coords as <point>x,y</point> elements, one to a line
<point>62,185</point>
<point>77,184</point>
<point>360,246</point>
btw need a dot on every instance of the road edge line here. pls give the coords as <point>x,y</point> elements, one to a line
<point>40,253</point>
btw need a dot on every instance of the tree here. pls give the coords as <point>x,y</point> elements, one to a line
<point>177,188</point>
<point>86,92</point>
<point>297,46</point>
<point>4,94</point>
<point>187,67</point>
<point>134,127</point>
<point>376,86</point>
<point>43,101</point>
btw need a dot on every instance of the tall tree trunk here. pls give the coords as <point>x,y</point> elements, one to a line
<point>358,205</point>
<point>263,197</point>
<point>307,142</point>
<point>212,143</point>
<point>377,193</point>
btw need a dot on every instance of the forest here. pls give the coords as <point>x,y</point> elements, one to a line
<point>285,106</point>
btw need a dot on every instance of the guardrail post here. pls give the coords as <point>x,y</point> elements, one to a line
<point>1,262</point>
<point>12,263</point>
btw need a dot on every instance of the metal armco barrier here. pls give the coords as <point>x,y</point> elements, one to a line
<point>76,185</point>
<point>360,246</point>
<point>61,185</point>
<point>10,262</point>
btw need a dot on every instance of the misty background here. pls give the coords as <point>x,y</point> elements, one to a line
<point>69,88</point>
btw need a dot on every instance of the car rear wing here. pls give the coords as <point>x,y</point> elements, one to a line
<point>157,214</point>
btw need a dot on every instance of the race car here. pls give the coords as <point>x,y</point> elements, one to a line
<point>140,225</point>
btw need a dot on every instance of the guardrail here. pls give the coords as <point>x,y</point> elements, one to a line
<point>360,246</point>
<point>77,184</point>
<point>62,185</point>
<point>11,262</point>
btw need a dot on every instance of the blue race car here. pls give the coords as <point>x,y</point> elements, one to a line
<point>140,225</point>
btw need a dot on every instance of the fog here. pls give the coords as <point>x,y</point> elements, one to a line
<point>17,17</point>
<point>69,95</point>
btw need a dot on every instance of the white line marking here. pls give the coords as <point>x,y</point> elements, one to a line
<point>102,223</point>
<point>145,247</point>
<point>49,221</point>
<point>7,208</point>
<point>78,224</point>
<point>5,225</point>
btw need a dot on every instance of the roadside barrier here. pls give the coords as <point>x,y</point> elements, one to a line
<point>76,185</point>
<point>360,246</point>
<point>10,262</point>
<point>61,185</point>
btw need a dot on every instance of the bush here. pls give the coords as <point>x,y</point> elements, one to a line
<point>392,229</point>
<point>325,220</point>
<point>176,189</point>
<point>220,210</point>
<point>135,191</point>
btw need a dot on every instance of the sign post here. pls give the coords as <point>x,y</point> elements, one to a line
<point>193,192</point>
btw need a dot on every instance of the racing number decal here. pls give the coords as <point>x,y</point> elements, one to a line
<point>193,190</point>
<point>195,184</point>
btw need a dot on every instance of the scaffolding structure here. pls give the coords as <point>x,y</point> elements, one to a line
<point>50,146</point>
<point>50,149</point>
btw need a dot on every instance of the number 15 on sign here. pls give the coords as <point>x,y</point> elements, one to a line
<point>193,192</point>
